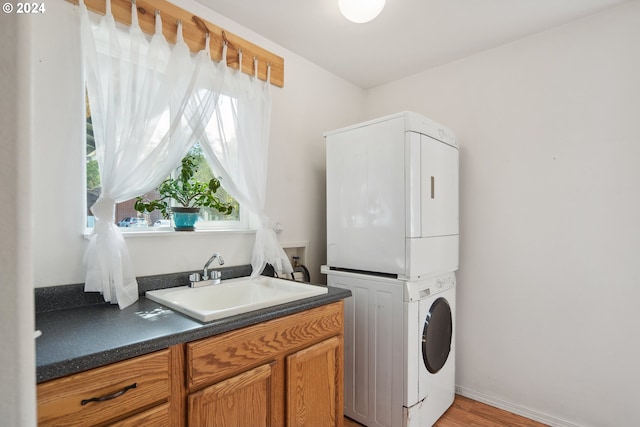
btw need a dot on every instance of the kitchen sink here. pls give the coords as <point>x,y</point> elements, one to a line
<point>233,296</point>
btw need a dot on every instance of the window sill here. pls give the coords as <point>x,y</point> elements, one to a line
<point>171,233</point>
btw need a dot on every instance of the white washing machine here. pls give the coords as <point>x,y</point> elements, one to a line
<point>430,356</point>
<point>399,357</point>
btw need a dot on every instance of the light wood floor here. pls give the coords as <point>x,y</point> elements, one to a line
<point>469,413</point>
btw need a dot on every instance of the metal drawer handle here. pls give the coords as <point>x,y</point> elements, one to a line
<point>109,396</point>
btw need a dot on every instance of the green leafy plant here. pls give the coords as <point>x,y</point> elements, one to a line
<point>186,191</point>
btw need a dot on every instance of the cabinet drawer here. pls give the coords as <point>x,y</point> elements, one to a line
<point>212,359</point>
<point>105,393</point>
<point>155,417</point>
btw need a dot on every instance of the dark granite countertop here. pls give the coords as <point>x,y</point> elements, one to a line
<point>79,338</point>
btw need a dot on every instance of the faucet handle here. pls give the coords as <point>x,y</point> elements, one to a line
<point>215,274</point>
<point>195,277</point>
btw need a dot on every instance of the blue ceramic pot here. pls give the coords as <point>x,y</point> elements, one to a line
<point>184,219</point>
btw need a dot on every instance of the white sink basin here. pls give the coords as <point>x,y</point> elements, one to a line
<point>233,296</point>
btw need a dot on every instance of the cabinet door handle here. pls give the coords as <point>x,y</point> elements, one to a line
<point>109,396</point>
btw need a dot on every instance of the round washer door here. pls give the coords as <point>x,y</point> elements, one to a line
<point>437,335</point>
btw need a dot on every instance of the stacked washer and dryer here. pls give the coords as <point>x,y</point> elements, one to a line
<point>392,239</point>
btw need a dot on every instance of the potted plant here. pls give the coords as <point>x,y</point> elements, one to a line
<point>188,192</point>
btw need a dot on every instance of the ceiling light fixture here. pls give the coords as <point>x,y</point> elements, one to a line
<point>360,11</point>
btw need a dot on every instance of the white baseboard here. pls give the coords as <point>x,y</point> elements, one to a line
<point>514,408</point>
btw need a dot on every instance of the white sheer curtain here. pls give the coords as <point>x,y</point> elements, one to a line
<point>236,145</point>
<point>149,104</point>
<point>138,92</point>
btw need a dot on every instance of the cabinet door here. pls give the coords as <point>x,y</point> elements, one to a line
<point>243,400</point>
<point>314,385</point>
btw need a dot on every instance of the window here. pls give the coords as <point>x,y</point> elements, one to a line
<point>129,219</point>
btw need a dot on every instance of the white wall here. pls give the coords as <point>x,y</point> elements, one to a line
<point>17,357</point>
<point>549,281</point>
<point>311,102</point>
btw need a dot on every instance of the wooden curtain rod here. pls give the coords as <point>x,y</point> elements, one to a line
<point>194,30</point>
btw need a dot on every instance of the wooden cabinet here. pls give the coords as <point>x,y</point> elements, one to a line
<point>138,386</point>
<point>284,372</point>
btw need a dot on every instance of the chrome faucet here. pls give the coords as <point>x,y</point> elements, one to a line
<point>196,281</point>
<point>205,275</point>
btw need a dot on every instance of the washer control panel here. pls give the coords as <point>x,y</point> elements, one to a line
<point>421,289</point>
